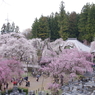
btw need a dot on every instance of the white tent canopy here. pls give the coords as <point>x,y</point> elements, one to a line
<point>74,43</point>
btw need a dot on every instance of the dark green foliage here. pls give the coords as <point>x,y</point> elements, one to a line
<point>66,25</point>
<point>83,22</point>
<point>43,28</point>
<point>91,23</point>
<point>24,90</point>
<point>73,25</point>
<point>53,26</point>
<point>63,22</point>
<point>87,22</point>
<point>40,28</point>
<point>35,28</point>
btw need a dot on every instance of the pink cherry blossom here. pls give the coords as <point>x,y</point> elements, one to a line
<point>10,68</point>
<point>69,63</point>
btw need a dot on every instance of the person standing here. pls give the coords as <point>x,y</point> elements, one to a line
<point>37,77</point>
<point>27,83</point>
<point>4,86</point>
<point>7,85</point>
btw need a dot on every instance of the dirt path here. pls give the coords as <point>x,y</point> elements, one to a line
<point>42,84</point>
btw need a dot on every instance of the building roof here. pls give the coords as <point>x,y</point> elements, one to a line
<point>76,44</point>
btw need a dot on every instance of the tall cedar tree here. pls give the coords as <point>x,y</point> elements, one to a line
<point>91,23</point>
<point>63,22</point>
<point>35,28</point>
<point>82,26</point>
<point>73,26</point>
<point>43,31</point>
<point>53,26</point>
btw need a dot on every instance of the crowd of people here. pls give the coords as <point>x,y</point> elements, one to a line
<point>19,81</point>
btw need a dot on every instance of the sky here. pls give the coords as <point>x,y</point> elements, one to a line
<point>24,12</point>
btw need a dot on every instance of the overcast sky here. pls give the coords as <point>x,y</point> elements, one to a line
<point>24,12</point>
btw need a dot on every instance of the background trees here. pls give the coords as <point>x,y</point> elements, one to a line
<point>7,28</point>
<point>67,25</point>
<point>53,26</point>
<point>73,25</point>
<point>41,30</point>
<point>35,28</point>
<point>91,23</point>
<point>27,33</point>
<point>82,25</point>
<point>63,22</point>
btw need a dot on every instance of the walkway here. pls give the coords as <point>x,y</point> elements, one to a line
<point>36,86</point>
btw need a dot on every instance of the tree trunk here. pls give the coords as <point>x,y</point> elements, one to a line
<point>0,86</point>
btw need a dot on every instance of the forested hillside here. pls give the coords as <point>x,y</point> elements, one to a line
<point>65,25</point>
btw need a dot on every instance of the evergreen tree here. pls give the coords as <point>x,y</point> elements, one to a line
<point>7,28</point>
<point>73,25</point>
<point>50,23</point>
<point>63,23</point>
<point>13,27</point>
<point>43,31</point>
<point>82,25</point>
<point>35,28</point>
<point>91,23</point>
<point>53,26</point>
<point>3,29</point>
